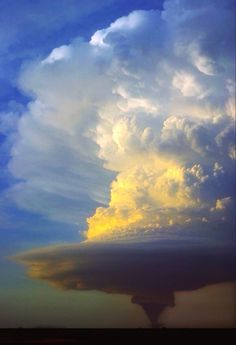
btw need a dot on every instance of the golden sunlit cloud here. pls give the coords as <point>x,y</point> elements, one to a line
<point>138,195</point>
<point>155,116</point>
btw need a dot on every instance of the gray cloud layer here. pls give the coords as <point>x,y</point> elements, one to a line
<point>150,272</point>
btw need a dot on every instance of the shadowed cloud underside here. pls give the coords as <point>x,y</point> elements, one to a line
<point>150,272</point>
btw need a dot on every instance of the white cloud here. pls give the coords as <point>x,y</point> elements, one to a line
<point>58,54</point>
<point>149,99</point>
<point>201,62</point>
<point>187,85</point>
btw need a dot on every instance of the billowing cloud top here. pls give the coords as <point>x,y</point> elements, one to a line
<point>150,100</point>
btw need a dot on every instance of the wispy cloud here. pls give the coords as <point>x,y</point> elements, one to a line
<point>150,100</point>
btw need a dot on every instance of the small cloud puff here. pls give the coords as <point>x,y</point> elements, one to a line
<point>58,54</point>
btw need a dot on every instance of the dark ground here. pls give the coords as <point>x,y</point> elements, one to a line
<point>114,336</point>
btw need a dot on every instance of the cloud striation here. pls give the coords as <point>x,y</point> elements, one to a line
<point>137,123</point>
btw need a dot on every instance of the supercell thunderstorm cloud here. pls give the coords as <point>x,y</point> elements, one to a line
<point>130,135</point>
<point>134,129</point>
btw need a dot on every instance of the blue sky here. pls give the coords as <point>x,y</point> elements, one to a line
<point>42,187</point>
<point>116,121</point>
<point>30,30</point>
